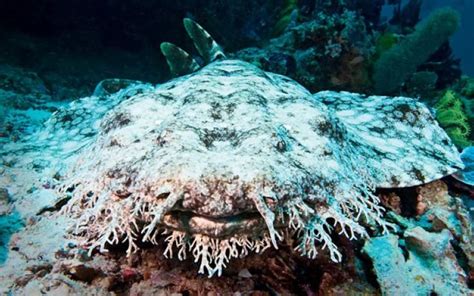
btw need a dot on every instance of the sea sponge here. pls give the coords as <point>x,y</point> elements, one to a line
<point>396,64</point>
<point>385,42</point>
<point>452,117</point>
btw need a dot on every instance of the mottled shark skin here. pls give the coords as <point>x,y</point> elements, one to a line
<point>399,137</point>
<point>230,159</point>
<point>223,160</point>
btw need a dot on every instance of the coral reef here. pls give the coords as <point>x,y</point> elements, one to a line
<point>466,88</point>
<point>327,50</point>
<point>430,266</point>
<point>402,60</point>
<point>370,10</point>
<point>422,84</point>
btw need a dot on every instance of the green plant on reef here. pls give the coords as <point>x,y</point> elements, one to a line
<point>284,17</point>
<point>399,62</point>
<point>452,117</point>
<point>385,42</point>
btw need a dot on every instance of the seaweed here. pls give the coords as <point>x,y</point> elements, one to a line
<point>452,117</point>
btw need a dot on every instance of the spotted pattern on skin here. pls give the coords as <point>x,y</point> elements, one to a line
<point>223,161</point>
<point>399,136</point>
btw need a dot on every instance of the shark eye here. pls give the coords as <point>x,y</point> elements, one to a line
<point>163,196</point>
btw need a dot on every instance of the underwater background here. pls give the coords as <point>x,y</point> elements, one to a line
<point>53,52</point>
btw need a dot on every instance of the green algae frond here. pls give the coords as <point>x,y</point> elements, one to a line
<point>452,117</point>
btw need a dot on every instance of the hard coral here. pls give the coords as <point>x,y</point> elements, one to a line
<point>329,46</point>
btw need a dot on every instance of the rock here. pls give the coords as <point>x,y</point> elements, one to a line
<point>444,219</point>
<point>129,274</point>
<point>432,194</point>
<point>466,176</point>
<point>430,265</point>
<point>162,279</point>
<point>33,288</point>
<point>4,196</point>
<point>9,224</point>
<point>427,243</point>
<point>25,102</point>
<point>245,273</point>
<point>82,272</point>
<point>61,289</point>
<point>20,81</point>
<point>389,265</point>
<point>420,206</point>
<point>458,222</point>
<point>392,201</point>
<point>4,201</point>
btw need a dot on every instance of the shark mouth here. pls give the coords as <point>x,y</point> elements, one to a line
<point>214,241</point>
<point>214,227</point>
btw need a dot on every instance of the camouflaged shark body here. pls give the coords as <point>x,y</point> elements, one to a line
<point>223,160</point>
